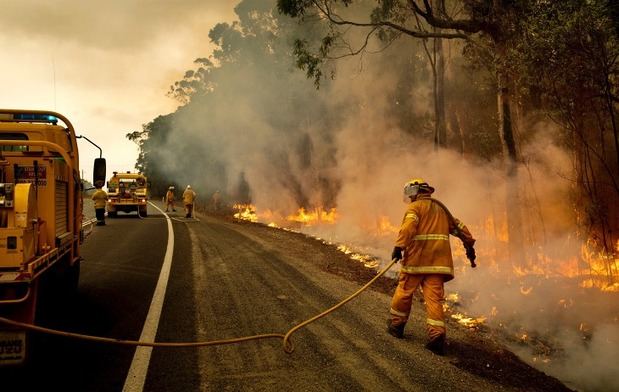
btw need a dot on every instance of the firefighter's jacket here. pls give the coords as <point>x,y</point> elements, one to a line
<point>424,236</point>
<point>99,197</point>
<point>189,196</point>
<point>169,196</point>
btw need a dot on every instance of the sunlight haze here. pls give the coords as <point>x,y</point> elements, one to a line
<point>107,67</point>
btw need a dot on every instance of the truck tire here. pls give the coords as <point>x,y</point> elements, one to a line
<point>143,212</point>
<point>112,214</point>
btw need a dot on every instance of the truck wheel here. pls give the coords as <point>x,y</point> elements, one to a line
<point>112,214</point>
<point>143,212</point>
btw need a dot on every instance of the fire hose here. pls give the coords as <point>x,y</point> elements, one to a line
<point>287,344</point>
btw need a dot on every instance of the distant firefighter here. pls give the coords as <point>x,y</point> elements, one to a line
<point>169,199</point>
<point>216,201</point>
<point>423,248</point>
<point>100,199</point>
<point>189,197</point>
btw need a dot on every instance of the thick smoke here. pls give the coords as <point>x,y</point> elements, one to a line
<point>267,134</point>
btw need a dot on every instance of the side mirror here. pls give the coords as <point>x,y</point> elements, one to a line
<point>98,172</point>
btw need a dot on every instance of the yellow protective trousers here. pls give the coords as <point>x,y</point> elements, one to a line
<point>433,295</point>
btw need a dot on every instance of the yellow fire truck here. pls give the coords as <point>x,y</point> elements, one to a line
<point>127,192</point>
<point>40,217</point>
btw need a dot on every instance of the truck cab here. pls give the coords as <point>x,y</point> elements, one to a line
<point>127,192</point>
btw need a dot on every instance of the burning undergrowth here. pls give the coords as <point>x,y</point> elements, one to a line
<point>551,313</point>
<point>330,163</point>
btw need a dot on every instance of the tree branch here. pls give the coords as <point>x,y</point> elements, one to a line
<point>362,48</point>
<point>466,25</point>
<point>337,20</point>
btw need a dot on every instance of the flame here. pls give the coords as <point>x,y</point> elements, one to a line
<point>367,260</point>
<point>245,212</point>
<point>384,226</point>
<point>611,287</point>
<point>526,291</point>
<point>309,218</point>
<point>592,268</point>
<point>603,267</point>
<point>469,322</point>
<point>452,298</point>
<point>315,216</point>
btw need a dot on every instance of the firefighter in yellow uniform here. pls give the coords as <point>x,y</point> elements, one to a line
<point>169,198</point>
<point>423,248</point>
<point>100,198</point>
<point>189,197</point>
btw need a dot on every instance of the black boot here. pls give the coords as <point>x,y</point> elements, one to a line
<point>437,345</point>
<point>395,330</point>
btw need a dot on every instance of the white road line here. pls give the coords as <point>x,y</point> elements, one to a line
<point>139,366</point>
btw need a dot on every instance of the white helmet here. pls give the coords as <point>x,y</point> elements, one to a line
<point>188,186</point>
<point>415,186</point>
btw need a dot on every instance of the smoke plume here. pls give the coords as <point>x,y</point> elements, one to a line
<point>262,132</point>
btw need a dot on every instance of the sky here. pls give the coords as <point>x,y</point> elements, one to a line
<point>106,66</point>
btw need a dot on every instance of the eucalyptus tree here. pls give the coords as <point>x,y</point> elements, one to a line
<point>487,26</point>
<point>566,64</point>
<point>245,108</point>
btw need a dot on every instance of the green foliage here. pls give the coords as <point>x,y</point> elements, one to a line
<point>308,62</point>
<point>566,59</point>
<point>566,62</point>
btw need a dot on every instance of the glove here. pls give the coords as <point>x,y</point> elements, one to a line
<point>470,254</point>
<point>396,254</point>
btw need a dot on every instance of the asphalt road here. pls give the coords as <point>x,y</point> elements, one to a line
<point>120,269</point>
<point>230,280</point>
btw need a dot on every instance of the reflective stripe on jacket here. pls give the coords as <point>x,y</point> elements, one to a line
<point>424,236</point>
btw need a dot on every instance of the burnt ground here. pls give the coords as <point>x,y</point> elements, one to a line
<point>476,351</point>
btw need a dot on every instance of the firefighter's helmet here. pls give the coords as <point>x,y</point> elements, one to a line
<point>414,187</point>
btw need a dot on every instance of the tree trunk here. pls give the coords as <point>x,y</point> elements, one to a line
<point>439,104</point>
<point>440,135</point>
<point>514,221</point>
<point>456,129</point>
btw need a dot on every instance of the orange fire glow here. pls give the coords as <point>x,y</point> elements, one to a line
<point>385,227</point>
<point>469,322</point>
<point>315,216</point>
<point>245,212</point>
<point>592,268</point>
<point>603,267</point>
<point>367,260</point>
<point>526,291</point>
